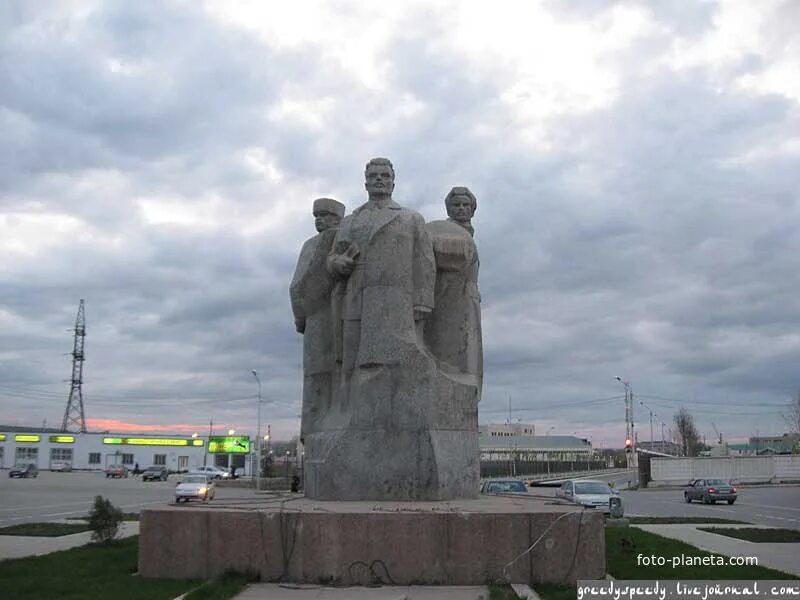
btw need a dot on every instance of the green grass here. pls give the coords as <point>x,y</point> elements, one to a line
<point>125,517</point>
<point>754,534</point>
<point>677,520</point>
<point>44,529</point>
<point>221,588</point>
<point>624,545</point>
<point>551,591</point>
<point>501,592</point>
<point>93,572</point>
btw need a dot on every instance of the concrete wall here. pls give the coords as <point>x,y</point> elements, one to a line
<point>787,467</point>
<point>742,469</point>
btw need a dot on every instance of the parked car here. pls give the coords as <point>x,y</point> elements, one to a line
<point>588,493</point>
<point>118,471</point>
<point>155,472</point>
<point>61,465</point>
<point>710,491</point>
<point>504,486</point>
<point>195,487</point>
<point>210,472</point>
<point>26,470</point>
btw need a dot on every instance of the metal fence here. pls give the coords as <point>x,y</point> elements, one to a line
<point>523,468</point>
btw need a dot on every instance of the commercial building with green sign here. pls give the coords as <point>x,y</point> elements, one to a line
<point>95,451</point>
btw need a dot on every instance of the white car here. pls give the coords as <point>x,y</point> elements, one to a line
<point>61,465</point>
<point>588,493</point>
<point>210,472</point>
<point>197,487</point>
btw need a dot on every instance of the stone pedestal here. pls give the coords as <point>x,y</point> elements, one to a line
<point>397,434</point>
<point>468,542</point>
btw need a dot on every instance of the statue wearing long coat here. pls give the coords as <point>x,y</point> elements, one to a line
<point>453,331</point>
<point>394,275</point>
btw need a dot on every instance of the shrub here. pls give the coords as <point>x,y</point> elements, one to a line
<point>104,520</point>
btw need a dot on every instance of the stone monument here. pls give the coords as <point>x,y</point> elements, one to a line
<point>401,423</point>
<point>390,312</point>
<point>310,293</point>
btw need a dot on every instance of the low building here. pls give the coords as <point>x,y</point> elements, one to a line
<point>664,447</point>
<point>96,451</point>
<point>786,443</point>
<point>529,455</point>
<point>507,429</point>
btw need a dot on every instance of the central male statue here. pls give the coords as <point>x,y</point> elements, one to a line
<point>384,255</point>
<point>396,429</point>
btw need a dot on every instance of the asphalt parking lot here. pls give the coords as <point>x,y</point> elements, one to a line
<point>772,505</point>
<point>52,496</point>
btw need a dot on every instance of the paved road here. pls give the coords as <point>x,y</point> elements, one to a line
<point>621,479</point>
<point>778,505</point>
<point>59,495</point>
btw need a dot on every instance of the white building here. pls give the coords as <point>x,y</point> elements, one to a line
<point>95,451</point>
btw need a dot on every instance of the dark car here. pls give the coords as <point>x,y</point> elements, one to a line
<point>26,471</point>
<point>710,491</point>
<point>155,472</point>
<point>504,486</point>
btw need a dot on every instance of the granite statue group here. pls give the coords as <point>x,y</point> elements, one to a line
<point>389,309</point>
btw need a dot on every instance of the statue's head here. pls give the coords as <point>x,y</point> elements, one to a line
<point>379,177</point>
<point>461,204</point>
<point>328,213</point>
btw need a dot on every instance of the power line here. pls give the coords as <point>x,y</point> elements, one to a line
<point>154,402</point>
<point>711,402</point>
<point>137,397</point>
<point>576,403</point>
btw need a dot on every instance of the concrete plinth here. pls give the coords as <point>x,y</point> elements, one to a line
<point>467,542</point>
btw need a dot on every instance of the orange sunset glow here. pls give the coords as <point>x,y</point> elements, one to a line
<point>116,425</point>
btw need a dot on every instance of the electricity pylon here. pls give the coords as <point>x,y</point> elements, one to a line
<point>74,419</point>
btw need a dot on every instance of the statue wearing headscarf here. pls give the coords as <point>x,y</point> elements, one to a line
<point>453,330</point>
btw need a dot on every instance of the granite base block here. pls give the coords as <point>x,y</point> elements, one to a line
<point>337,543</point>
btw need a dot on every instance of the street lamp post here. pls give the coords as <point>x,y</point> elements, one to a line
<point>268,460</point>
<point>652,414</point>
<point>547,451</point>
<point>629,430</point>
<point>573,454</point>
<point>230,455</point>
<point>258,434</point>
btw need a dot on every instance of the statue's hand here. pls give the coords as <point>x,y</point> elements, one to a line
<point>300,325</point>
<point>343,265</point>
<point>421,313</point>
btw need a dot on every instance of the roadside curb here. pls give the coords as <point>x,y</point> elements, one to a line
<point>523,590</point>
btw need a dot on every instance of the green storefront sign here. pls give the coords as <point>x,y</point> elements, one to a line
<point>238,444</point>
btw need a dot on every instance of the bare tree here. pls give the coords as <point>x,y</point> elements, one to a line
<point>792,414</point>
<point>687,433</point>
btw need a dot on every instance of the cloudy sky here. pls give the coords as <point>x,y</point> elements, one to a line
<point>635,163</point>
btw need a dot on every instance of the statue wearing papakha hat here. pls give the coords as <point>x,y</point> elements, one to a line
<point>310,293</point>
